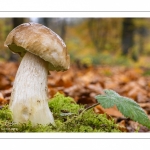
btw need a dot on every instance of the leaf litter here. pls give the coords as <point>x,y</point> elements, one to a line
<point>84,83</point>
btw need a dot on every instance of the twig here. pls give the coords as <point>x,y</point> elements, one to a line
<point>89,108</point>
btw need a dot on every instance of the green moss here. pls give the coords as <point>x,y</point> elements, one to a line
<point>69,117</point>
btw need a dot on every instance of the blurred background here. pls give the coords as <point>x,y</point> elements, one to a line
<point>93,41</point>
<point>106,53</point>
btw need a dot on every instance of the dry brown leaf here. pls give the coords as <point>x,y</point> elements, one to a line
<point>2,100</point>
<point>109,111</point>
<point>84,83</point>
<point>122,126</point>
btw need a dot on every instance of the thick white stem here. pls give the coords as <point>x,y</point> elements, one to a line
<point>29,99</point>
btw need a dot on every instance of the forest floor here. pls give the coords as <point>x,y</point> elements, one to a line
<point>83,83</point>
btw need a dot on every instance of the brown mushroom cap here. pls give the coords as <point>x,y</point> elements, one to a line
<point>41,41</point>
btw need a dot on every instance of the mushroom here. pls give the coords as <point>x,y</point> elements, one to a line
<point>42,50</point>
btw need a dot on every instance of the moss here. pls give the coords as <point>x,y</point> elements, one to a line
<point>69,117</point>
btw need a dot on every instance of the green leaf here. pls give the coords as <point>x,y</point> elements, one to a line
<point>128,107</point>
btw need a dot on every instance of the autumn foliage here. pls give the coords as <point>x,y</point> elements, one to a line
<point>92,42</point>
<point>83,83</point>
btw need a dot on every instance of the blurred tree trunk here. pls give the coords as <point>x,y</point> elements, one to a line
<point>15,23</point>
<point>95,33</point>
<point>45,21</point>
<point>143,32</point>
<point>127,35</point>
<point>63,29</point>
<point>105,33</point>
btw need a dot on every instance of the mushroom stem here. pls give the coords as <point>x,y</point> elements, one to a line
<point>29,98</point>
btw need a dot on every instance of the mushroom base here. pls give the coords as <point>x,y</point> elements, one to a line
<point>29,98</point>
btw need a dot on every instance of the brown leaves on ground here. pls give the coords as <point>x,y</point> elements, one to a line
<point>84,83</point>
<point>7,74</point>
